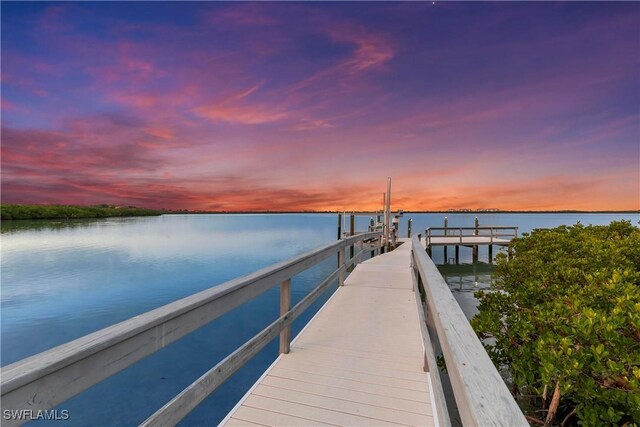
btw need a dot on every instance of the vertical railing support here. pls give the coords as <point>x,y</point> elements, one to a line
<point>409,223</point>
<point>352,230</point>
<point>285,305</point>
<point>341,261</point>
<point>339,232</point>
<point>446,232</point>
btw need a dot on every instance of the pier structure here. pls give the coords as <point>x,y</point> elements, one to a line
<point>471,237</point>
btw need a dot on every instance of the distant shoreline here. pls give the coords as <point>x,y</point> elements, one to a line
<point>12,212</point>
<point>405,212</point>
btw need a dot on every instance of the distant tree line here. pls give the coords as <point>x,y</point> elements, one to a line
<point>9,212</point>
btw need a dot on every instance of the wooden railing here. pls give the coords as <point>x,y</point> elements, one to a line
<point>493,231</point>
<point>47,379</point>
<point>481,395</point>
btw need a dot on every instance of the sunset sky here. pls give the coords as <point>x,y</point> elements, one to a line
<point>292,106</point>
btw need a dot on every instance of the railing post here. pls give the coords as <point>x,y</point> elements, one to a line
<point>285,305</point>
<point>339,232</point>
<point>341,261</point>
<point>352,230</point>
<point>409,227</point>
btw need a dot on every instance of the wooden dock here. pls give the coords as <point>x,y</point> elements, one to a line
<point>472,237</point>
<point>359,361</point>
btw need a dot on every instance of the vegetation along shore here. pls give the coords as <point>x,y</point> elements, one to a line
<point>10,212</point>
<point>564,319</point>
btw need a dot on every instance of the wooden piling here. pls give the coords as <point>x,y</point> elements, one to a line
<point>341,261</point>
<point>457,254</point>
<point>490,254</point>
<point>339,233</point>
<point>446,233</point>
<point>475,247</point>
<point>352,231</point>
<point>372,226</point>
<point>285,305</point>
<point>409,223</point>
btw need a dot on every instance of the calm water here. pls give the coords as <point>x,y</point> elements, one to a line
<point>61,280</point>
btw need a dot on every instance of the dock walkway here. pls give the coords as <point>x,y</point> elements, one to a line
<point>359,361</point>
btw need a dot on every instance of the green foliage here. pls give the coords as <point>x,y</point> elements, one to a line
<point>565,310</point>
<point>70,212</point>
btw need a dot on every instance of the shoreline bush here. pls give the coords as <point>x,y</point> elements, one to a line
<point>11,212</point>
<point>565,316</point>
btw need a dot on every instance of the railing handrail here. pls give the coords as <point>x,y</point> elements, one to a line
<point>481,395</point>
<point>103,353</point>
<point>481,227</point>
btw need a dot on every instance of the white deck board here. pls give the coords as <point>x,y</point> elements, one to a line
<point>359,361</point>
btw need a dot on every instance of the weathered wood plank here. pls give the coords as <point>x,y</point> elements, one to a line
<point>481,394</point>
<point>421,397</point>
<point>397,359</point>
<point>343,405</point>
<point>271,418</point>
<point>234,422</point>
<point>380,401</point>
<point>311,412</point>
<point>321,358</point>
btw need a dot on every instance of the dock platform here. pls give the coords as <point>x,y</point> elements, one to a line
<point>359,361</point>
<point>472,237</point>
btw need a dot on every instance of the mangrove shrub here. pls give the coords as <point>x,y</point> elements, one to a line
<point>563,322</point>
<point>8,212</point>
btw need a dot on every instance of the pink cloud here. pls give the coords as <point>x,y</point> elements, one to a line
<point>237,109</point>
